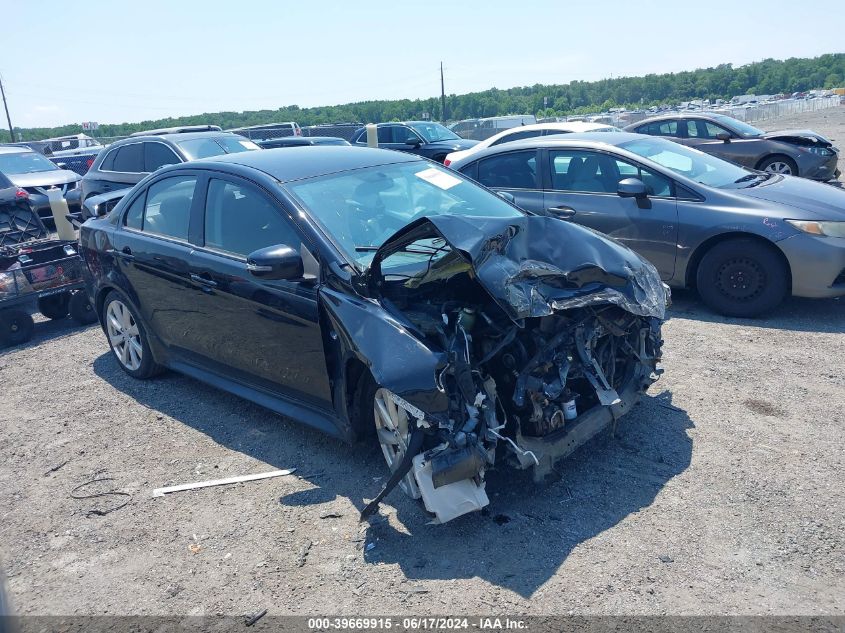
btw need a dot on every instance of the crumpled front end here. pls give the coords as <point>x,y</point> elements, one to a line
<point>548,332</point>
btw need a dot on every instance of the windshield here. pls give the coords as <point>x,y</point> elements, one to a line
<point>208,147</point>
<point>362,208</point>
<point>433,132</point>
<point>743,128</point>
<point>695,165</point>
<point>25,163</point>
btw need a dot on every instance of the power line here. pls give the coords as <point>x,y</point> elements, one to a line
<point>6,107</point>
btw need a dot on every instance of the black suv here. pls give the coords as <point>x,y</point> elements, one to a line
<point>423,138</point>
<point>125,163</point>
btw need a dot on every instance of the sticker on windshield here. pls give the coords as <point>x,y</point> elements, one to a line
<point>438,178</point>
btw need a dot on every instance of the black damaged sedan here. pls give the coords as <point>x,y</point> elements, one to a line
<point>377,295</point>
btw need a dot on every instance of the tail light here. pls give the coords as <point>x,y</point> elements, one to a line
<point>446,162</point>
<point>21,194</point>
<point>89,162</point>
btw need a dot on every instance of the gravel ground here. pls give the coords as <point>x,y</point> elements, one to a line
<point>720,494</point>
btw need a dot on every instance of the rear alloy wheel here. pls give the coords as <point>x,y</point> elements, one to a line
<point>54,306</point>
<point>127,338</point>
<point>782,165</point>
<point>81,309</point>
<point>392,430</point>
<point>742,278</point>
<point>16,327</point>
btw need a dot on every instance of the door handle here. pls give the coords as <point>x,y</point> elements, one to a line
<point>562,211</point>
<point>203,280</point>
<point>126,254</point>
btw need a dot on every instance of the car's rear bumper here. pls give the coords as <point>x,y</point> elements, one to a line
<point>817,265</point>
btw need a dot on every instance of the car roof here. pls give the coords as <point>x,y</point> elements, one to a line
<point>681,115</point>
<point>179,137</point>
<point>296,163</point>
<point>582,139</point>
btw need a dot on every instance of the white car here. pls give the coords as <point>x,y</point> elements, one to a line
<point>529,131</point>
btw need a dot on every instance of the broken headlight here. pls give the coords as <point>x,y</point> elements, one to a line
<point>824,229</point>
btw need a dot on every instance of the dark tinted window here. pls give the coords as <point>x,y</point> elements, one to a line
<point>158,155</point>
<point>385,134</point>
<point>660,128</point>
<point>470,171</point>
<point>516,170</point>
<point>130,158</point>
<point>108,161</point>
<point>515,136</point>
<point>134,218</point>
<point>239,219</point>
<point>168,208</point>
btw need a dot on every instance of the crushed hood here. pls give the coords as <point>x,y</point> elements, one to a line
<point>534,265</point>
<point>799,137</point>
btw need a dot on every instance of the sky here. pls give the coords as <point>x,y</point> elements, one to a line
<point>116,62</point>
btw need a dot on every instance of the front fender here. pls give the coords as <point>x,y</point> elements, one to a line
<point>397,359</point>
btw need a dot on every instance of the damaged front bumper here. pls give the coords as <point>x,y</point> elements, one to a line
<point>547,334</point>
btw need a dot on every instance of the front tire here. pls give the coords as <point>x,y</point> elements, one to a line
<point>742,278</point>
<point>779,164</point>
<point>128,338</point>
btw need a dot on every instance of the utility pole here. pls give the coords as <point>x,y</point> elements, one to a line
<point>442,97</point>
<point>8,118</point>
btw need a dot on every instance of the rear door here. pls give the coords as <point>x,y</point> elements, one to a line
<point>585,183</point>
<point>266,333</point>
<point>513,172</point>
<point>153,250</point>
<point>123,166</point>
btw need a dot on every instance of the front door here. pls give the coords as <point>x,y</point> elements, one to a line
<point>263,332</point>
<point>585,182</point>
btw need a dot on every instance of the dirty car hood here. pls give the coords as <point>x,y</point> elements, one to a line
<point>814,199</point>
<point>534,265</point>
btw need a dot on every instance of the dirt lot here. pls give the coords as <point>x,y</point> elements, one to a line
<point>720,494</point>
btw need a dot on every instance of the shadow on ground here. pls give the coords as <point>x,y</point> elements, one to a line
<point>795,314</point>
<point>49,330</point>
<point>518,542</point>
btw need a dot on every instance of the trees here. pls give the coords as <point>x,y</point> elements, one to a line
<point>769,76</point>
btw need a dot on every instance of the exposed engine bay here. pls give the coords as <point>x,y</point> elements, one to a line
<point>527,382</point>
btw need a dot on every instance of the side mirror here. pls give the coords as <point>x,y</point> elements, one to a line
<point>413,141</point>
<point>632,188</point>
<point>275,262</point>
<point>507,196</point>
<point>724,136</point>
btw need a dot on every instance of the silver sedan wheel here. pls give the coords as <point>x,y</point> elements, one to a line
<point>779,167</point>
<point>393,435</point>
<point>124,337</point>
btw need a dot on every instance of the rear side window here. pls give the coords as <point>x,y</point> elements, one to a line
<point>515,170</point>
<point>516,136</point>
<point>240,219</point>
<point>129,158</point>
<point>157,155</point>
<point>108,161</point>
<point>660,128</point>
<point>168,207</point>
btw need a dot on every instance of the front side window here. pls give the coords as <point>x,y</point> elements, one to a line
<point>514,170</point>
<point>168,207</point>
<point>239,219</point>
<point>129,158</point>
<point>157,155</point>
<point>593,172</point>
<point>711,130</point>
<point>134,218</point>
